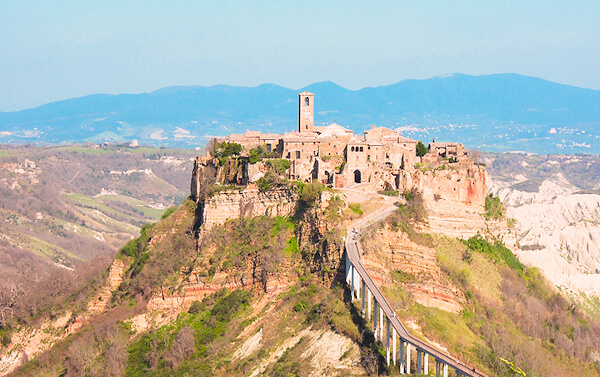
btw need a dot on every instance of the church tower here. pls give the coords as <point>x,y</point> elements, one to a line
<point>306,112</point>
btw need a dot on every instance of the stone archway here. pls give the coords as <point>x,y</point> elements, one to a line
<point>357,176</point>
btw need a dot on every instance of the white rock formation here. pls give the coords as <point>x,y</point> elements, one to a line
<point>558,230</point>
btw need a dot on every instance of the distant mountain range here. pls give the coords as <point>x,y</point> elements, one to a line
<point>503,112</point>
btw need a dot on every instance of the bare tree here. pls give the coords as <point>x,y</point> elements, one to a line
<point>9,294</point>
<point>475,155</point>
<point>370,362</point>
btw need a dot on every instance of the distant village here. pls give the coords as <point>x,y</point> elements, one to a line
<point>338,157</point>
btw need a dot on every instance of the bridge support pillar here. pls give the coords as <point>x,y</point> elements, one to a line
<point>352,283</point>
<point>438,367</point>
<point>358,280</point>
<point>368,304</point>
<point>425,364</point>
<point>401,361</point>
<point>364,293</point>
<point>419,361</point>
<point>380,323</point>
<point>387,343</point>
<point>375,315</point>
<point>394,345</point>
<point>347,265</point>
<point>445,370</point>
<point>407,358</point>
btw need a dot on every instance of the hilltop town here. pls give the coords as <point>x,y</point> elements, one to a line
<point>336,156</point>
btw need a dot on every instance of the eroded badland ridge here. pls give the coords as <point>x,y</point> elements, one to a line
<point>248,277</point>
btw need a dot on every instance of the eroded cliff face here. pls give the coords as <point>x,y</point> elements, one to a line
<point>248,202</point>
<point>454,198</point>
<point>392,259</point>
<point>557,230</point>
<point>320,235</point>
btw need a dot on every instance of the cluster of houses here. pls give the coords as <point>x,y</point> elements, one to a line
<point>337,156</point>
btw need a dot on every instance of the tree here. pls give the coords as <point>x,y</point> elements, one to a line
<point>226,149</point>
<point>211,146</point>
<point>475,155</point>
<point>421,149</point>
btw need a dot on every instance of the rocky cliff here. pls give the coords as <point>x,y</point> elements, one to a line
<point>392,259</point>
<point>246,202</point>
<point>454,196</point>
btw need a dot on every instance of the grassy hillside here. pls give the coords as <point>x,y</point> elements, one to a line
<point>304,325</point>
<point>512,318</point>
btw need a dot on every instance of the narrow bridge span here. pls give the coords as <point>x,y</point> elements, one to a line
<point>361,285</point>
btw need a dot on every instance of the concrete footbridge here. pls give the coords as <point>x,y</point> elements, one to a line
<point>375,307</point>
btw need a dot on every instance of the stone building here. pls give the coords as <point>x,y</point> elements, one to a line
<point>337,156</point>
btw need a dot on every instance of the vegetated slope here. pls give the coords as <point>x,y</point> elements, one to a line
<point>511,316</point>
<point>66,212</point>
<point>260,297</point>
<point>508,111</point>
<point>555,204</point>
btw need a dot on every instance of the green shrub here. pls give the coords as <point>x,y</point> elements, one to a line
<point>268,182</point>
<point>168,212</point>
<point>311,192</point>
<point>256,154</point>
<point>279,165</point>
<point>355,207</point>
<point>228,306</point>
<point>409,195</point>
<point>135,246</point>
<point>497,252</point>
<point>5,336</point>
<point>493,208</point>
<point>195,308</point>
<point>340,169</point>
<point>300,306</point>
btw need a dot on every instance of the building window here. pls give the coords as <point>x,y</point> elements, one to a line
<point>306,101</point>
<point>352,149</point>
<point>361,149</point>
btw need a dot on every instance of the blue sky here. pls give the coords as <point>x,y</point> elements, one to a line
<point>53,50</point>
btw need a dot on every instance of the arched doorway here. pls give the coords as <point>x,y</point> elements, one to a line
<point>357,176</point>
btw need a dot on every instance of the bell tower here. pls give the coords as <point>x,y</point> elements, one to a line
<point>306,112</point>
